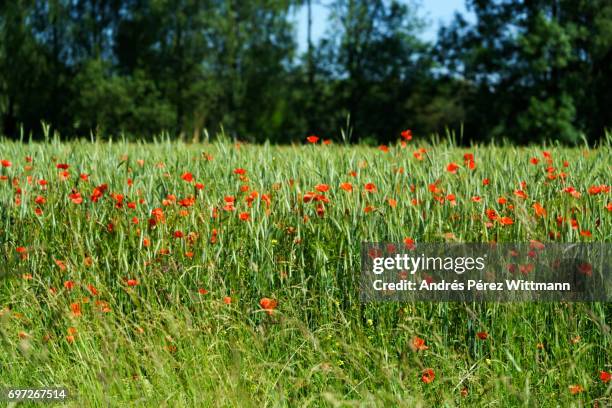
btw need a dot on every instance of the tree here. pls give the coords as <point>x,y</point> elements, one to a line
<point>521,61</point>
<point>374,61</point>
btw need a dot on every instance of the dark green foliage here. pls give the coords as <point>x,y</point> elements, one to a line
<point>526,71</point>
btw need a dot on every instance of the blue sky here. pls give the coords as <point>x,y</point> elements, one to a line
<point>435,12</point>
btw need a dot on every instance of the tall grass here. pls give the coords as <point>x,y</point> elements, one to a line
<point>162,342</point>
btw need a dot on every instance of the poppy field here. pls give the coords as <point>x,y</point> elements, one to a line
<point>227,274</point>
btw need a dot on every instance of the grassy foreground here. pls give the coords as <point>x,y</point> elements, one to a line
<point>226,275</point>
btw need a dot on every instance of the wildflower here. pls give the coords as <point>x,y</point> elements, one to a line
<point>132,282</point>
<point>452,168</point>
<point>69,285</point>
<point>575,389</point>
<point>312,139</point>
<point>506,221</point>
<point>320,210</point>
<point>418,344</point>
<point>240,171</point>
<point>92,289</point>
<point>76,309</point>
<point>348,187</point>
<point>428,376</point>
<point>268,305</point>
<point>322,188</point>
<point>482,335</point>
<point>409,243</point>
<point>370,187</point>
<point>520,194</point>
<point>605,376</point>
<point>244,216</point>
<point>406,134</point>
<point>202,291</point>
<point>539,210</point>
<point>6,163</point>
<point>491,214</point>
<point>227,300</point>
<point>392,203</point>
<point>76,197</point>
<point>188,177</point>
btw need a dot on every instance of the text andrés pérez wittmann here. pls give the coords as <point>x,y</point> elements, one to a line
<point>409,264</point>
<point>467,272</point>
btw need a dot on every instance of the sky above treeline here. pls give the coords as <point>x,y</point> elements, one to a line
<point>434,12</point>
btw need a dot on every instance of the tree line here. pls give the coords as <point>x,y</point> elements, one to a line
<point>527,70</point>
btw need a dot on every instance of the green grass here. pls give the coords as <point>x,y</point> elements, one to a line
<point>162,343</point>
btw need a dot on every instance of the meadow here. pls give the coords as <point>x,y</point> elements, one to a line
<point>225,274</point>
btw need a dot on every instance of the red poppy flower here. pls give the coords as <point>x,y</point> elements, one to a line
<point>62,166</point>
<point>346,187</point>
<point>418,344</point>
<point>482,335</point>
<point>572,191</point>
<point>202,291</point>
<point>76,309</point>
<point>491,214</point>
<point>188,177</point>
<point>322,187</point>
<point>6,163</point>
<point>92,289</point>
<point>312,139</point>
<point>520,194</point>
<point>320,210</point>
<point>452,168</point>
<point>383,148</point>
<point>244,216</point>
<point>486,182</point>
<point>406,134</point>
<point>131,282</point>
<point>178,234</point>
<point>187,202</point>
<point>69,284</point>
<point>576,389</point>
<point>370,187</point>
<point>268,305</point>
<point>76,197</point>
<point>392,202</point>
<point>21,250</point>
<point>506,221</point>
<point>240,171</point>
<point>227,300</point>
<point>428,376</point>
<point>409,243</point>
<point>605,376</point>
<point>539,210</point>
